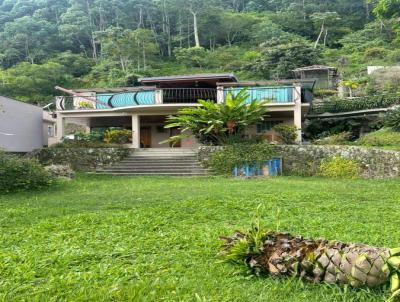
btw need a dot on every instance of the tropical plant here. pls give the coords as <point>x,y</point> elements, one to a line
<point>281,255</point>
<point>118,136</point>
<point>218,124</point>
<point>288,133</point>
<point>392,119</point>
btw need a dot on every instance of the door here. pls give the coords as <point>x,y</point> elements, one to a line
<point>174,132</point>
<point>145,137</point>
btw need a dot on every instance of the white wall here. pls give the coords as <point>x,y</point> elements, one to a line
<point>21,126</point>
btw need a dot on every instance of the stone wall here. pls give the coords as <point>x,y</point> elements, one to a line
<point>305,160</point>
<point>81,159</point>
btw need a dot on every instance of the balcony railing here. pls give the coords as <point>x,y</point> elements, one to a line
<point>281,94</point>
<point>188,95</point>
<point>274,95</point>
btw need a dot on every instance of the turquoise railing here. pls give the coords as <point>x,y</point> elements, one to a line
<point>281,94</point>
<point>125,99</point>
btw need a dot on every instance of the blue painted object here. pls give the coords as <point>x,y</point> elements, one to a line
<point>271,167</point>
<point>126,99</point>
<point>281,94</point>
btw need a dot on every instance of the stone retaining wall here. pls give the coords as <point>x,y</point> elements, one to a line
<point>305,160</point>
<point>81,159</point>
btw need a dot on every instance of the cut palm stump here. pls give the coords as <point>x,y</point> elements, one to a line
<point>280,254</point>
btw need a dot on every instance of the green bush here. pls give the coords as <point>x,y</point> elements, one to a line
<point>380,138</point>
<point>339,167</point>
<point>342,138</point>
<point>21,174</point>
<point>118,136</point>
<point>288,133</point>
<point>392,119</point>
<point>92,136</point>
<point>223,161</point>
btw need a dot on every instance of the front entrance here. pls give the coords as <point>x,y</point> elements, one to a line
<point>175,132</point>
<point>145,137</point>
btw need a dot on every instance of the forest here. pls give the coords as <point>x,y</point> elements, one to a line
<point>110,43</point>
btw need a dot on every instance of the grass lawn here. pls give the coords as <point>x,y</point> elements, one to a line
<point>156,239</point>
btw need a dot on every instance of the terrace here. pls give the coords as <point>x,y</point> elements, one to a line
<point>180,91</point>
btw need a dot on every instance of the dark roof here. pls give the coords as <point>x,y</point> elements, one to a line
<point>115,90</point>
<point>193,77</point>
<point>309,83</point>
<point>315,67</point>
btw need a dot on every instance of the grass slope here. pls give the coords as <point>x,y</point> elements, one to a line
<point>156,239</point>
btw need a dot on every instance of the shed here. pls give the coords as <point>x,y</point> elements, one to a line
<point>326,77</point>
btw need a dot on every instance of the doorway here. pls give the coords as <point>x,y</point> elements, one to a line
<point>145,137</point>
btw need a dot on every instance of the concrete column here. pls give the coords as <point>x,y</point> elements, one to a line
<point>159,96</point>
<point>60,124</point>
<point>297,112</point>
<point>135,131</point>
<point>220,95</point>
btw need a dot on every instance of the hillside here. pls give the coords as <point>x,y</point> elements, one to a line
<point>86,43</point>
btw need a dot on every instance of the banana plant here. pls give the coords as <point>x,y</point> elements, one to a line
<point>216,124</point>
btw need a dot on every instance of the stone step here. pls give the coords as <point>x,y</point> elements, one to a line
<point>151,173</point>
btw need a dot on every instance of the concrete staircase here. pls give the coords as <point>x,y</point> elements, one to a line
<point>158,162</point>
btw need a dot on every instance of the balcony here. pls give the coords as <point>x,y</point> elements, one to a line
<point>144,96</point>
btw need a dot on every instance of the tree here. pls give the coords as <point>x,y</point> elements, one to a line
<point>325,20</point>
<point>27,39</point>
<point>33,83</point>
<point>387,9</point>
<point>277,62</point>
<point>218,124</point>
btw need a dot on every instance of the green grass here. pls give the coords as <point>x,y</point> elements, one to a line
<point>156,239</point>
<point>384,138</point>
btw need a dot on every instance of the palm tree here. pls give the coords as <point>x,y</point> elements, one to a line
<point>218,124</point>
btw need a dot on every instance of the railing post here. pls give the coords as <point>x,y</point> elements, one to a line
<point>220,95</point>
<point>297,111</point>
<point>159,96</point>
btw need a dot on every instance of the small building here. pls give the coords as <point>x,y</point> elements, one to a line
<point>326,77</point>
<point>144,109</point>
<point>21,126</point>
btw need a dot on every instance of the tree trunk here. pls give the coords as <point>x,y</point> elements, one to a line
<point>320,34</point>
<point>195,29</point>
<point>326,36</point>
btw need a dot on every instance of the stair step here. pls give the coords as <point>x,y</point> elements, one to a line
<point>157,162</point>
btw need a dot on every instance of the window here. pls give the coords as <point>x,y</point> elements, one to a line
<point>266,126</point>
<point>50,131</point>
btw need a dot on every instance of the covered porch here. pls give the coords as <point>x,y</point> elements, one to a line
<point>147,128</point>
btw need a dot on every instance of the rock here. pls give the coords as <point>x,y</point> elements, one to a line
<point>61,171</point>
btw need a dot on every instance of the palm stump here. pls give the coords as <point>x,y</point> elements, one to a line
<point>280,254</point>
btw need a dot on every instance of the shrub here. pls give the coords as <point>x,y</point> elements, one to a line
<point>288,133</point>
<point>380,138</point>
<point>223,161</point>
<point>339,167</point>
<point>92,136</point>
<point>118,136</point>
<point>392,119</point>
<point>21,174</point>
<point>342,138</point>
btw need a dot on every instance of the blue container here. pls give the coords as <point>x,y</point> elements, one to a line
<point>271,167</point>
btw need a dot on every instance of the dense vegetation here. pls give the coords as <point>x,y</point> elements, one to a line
<point>77,43</point>
<point>156,239</point>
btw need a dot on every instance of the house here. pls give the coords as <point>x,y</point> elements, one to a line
<point>145,108</point>
<point>326,77</point>
<point>21,126</point>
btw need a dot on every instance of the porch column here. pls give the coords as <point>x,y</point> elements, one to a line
<point>220,95</point>
<point>135,131</point>
<point>60,127</point>
<point>297,111</point>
